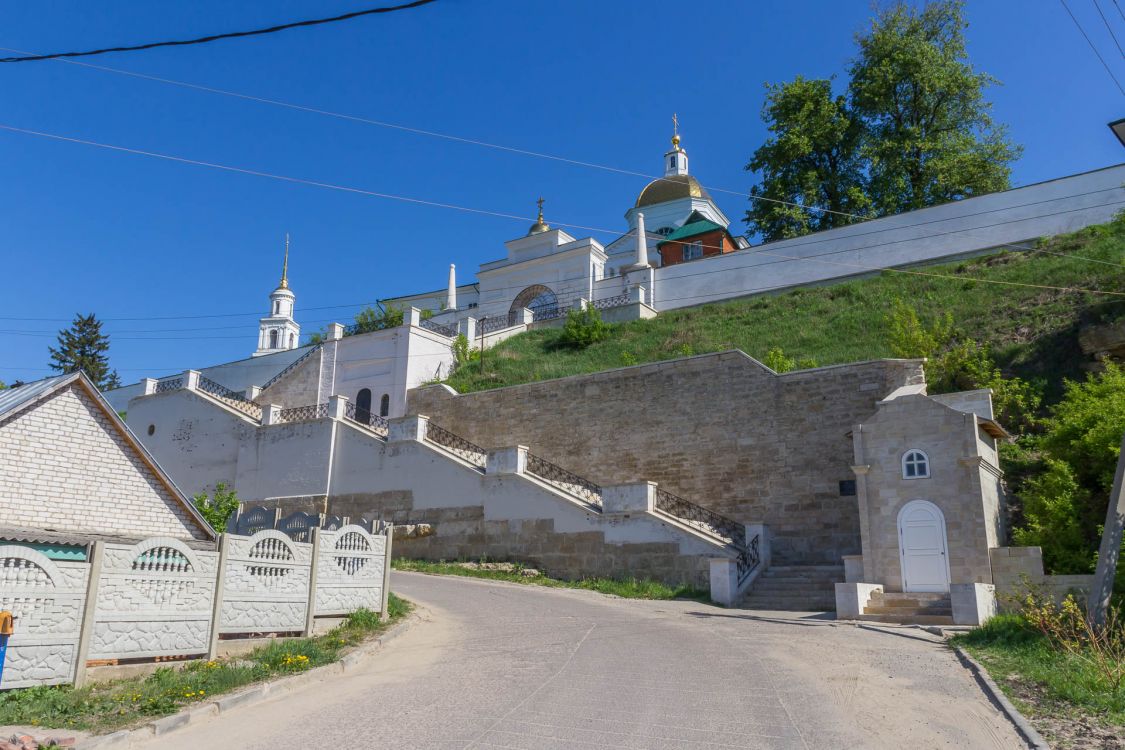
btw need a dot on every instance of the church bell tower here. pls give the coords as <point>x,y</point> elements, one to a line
<point>278,331</point>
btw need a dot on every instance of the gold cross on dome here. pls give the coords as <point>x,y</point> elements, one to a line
<point>540,204</point>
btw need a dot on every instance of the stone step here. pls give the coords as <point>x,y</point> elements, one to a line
<point>913,598</point>
<point>807,568</point>
<point>908,611</point>
<point>763,584</point>
<point>789,602</point>
<point>909,619</point>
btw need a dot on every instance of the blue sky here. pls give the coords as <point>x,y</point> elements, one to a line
<point>84,229</point>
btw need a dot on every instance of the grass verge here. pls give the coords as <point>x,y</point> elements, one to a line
<point>109,706</point>
<point>627,588</point>
<point>1065,697</point>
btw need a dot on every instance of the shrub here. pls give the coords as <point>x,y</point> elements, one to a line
<point>583,328</point>
<point>217,508</point>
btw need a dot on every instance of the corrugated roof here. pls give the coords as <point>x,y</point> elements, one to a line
<point>692,229</point>
<point>14,398</point>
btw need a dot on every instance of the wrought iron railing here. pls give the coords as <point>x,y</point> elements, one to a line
<point>430,325</point>
<point>366,418</point>
<point>703,519</point>
<point>303,413</point>
<point>749,558</point>
<point>605,304</point>
<point>498,323</point>
<point>456,444</point>
<point>565,480</point>
<point>173,384</point>
<point>230,398</point>
<point>549,313</point>
<point>291,366</point>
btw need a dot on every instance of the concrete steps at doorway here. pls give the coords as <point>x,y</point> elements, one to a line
<point>909,609</point>
<point>795,588</point>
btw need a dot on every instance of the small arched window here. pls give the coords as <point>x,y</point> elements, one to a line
<point>273,339</point>
<point>292,340</point>
<point>385,405</point>
<point>915,464</point>
<point>276,308</point>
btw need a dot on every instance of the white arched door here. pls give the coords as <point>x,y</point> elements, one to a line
<point>922,547</point>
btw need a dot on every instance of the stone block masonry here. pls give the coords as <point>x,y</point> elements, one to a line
<point>721,430</point>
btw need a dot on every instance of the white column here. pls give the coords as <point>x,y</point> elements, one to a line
<point>451,293</point>
<point>335,331</point>
<point>642,242</point>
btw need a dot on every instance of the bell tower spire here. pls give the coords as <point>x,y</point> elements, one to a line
<point>675,161</point>
<point>278,331</point>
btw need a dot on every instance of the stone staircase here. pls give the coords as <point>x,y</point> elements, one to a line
<point>912,609</point>
<point>795,588</point>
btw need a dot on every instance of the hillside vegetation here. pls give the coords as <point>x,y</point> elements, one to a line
<point>1032,332</point>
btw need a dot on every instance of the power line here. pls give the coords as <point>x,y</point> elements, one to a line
<point>445,136</point>
<point>1109,28</point>
<point>227,35</point>
<point>1092,47</point>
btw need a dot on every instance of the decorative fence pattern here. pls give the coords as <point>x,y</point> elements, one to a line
<point>438,328</point>
<point>157,599</point>
<point>565,480</point>
<point>703,519</point>
<point>497,323</point>
<point>172,384</point>
<point>350,568</point>
<point>297,525</point>
<point>303,413</point>
<point>366,418</point>
<point>749,557</point>
<point>154,599</point>
<point>47,598</point>
<point>230,398</point>
<point>265,584</point>
<point>457,445</point>
<point>609,302</point>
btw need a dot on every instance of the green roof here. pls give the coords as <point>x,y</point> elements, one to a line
<point>691,229</point>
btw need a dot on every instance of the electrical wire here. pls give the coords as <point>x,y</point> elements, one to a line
<point>1109,28</point>
<point>227,35</point>
<point>1092,47</point>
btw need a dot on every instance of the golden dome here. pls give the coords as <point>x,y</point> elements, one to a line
<point>670,189</point>
<point>539,226</point>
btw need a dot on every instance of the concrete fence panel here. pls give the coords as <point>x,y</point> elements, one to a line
<point>265,584</point>
<point>47,599</point>
<point>350,567</point>
<point>154,598</point>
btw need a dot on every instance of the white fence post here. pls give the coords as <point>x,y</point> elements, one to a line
<point>383,614</point>
<point>217,605</point>
<point>97,553</point>
<point>314,533</point>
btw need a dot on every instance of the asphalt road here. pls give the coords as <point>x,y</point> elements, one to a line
<point>509,666</point>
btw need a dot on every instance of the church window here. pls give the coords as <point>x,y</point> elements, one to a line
<point>273,339</point>
<point>915,464</point>
<point>276,308</point>
<point>385,405</point>
<point>693,250</point>
<point>363,405</point>
<point>292,340</point>
<point>672,161</point>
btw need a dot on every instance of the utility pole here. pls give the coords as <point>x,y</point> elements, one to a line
<point>1102,590</point>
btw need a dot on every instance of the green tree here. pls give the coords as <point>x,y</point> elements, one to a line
<point>811,170</point>
<point>913,129</point>
<point>1064,501</point>
<point>929,134</point>
<point>217,508</point>
<point>84,347</point>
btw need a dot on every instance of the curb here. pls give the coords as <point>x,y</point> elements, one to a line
<point>1034,740</point>
<point>248,697</point>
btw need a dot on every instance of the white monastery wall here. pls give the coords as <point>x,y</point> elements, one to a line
<point>929,234</point>
<point>285,459</point>
<point>64,464</point>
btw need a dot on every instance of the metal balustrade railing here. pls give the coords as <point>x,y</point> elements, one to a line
<point>565,480</point>
<point>291,366</point>
<point>366,418</point>
<point>456,444</point>
<point>605,304</point>
<point>701,518</point>
<point>173,384</point>
<point>230,398</point>
<point>749,558</point>
<point>303,413</point>
<point>549,313</point>
<point>430,325</point>
<point>497,323</point>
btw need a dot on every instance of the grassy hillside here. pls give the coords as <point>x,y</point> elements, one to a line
<point>1033,332</point>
